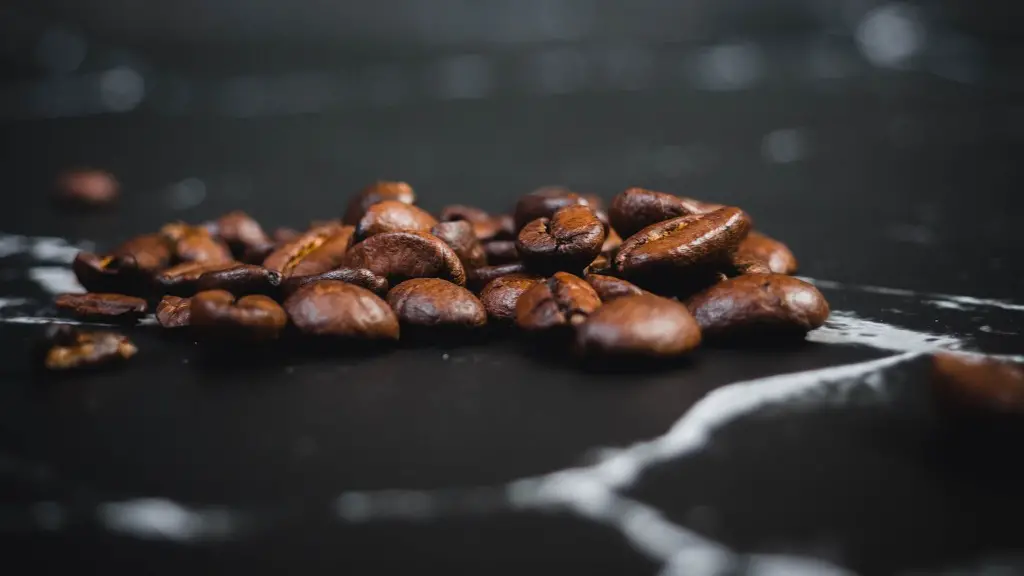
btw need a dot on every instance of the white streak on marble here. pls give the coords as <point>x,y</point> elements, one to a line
<point>49,320</point>
<point>43,248</point>
<point>10,245</point>
<point>55,280</point>
<point>160,519</point>
<point>931,298</point>
<point>846,328</point>
<point>5,302</point>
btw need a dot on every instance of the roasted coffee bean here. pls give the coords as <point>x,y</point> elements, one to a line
<point>506,227</point>
<point>480,277</point>
<point>241,233</point>
<point>570,240</point>
<point>112,274</point>
<point>68,348</point>
<point>183,279</point>
<point>601,265</point>
<point>174,312</point>
<point>108,307</point>
<point>377,192</point>
<point>400,256</point>
<point>86,187</point>
<point>667,248</point>
<point>560,301</point>
<point>637,208</point>
<point>610,288</point>
<point>241,280</point>
<point>318,250</point>
<point>195,244</point>
<point>485,226</point>
<point>460,237</point>
<point>501,252</point>
<point>764,253</point>
<point>358,276</point>
<point>759,305</point>
<point>149,253</point>
<point>744,264</point>
<point>543,202</point>
<point>500,295</point>
<point>221,315</point>
<point>339,309</point>
<point>612,241</point>
<point>971,384</point>
<point>284,235</point>
<point>436,303</point>
<point>393,216</point>
<point>638,326</point>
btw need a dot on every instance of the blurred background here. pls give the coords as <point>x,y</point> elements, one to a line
<point>880,139</point>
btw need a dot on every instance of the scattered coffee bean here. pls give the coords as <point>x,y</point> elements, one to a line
<point>174,312</point>
<point>400,256</point>
<point>358,276</point>
<point>111,274</point>
<point>610,288</point>
<point>86,187</point>
<point>480,277</point>
<point>251,318</point>
<point>543,202</point>
<point>501,252</point>
<point>485,226</point>
<point>149,253</point>
<point>637,208</point>
<point>393,216</point>
<point>108,307</point>
<point>436,303</point>
<point>339,309</point>
<point>183,279</point>
<point>967,384</point>
<point>759,305</point>
<point>500,296</point>
<point>242,233</point>
<point>196,244</point>
<point>318,250</point>
<point>377,192</point>
<point>765,253</point>
<point>560,301</point>
<point>242,280</point>
<point>460,237</point>
<point>68,348</point>
<point>569,241</point>
<point>637,326</point>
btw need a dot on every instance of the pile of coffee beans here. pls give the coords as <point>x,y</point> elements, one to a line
<point>651,277</point>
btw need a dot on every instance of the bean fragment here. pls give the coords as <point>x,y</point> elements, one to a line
<point>107,307</point>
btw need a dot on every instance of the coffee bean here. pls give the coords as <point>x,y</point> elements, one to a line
<point>284,235</point>
<point>759,252</point>
<point>436,303</point>
<point>667,248</point>
<point>501,252</point>
<point>174,312</point>
<point>331,308</point>
<point>485,226</point>
<point>637,326</point>
<point>968,384</point>
<point>195,244</point>
<point>318,250</point>
<point>612,241</point>
<point>393,216</point>
<point>560,301</point>
<point>595,202</point>
<point>506,227</point>
<point>183,279</point>
<point>241,280</point>
<point>480,277</point>
<point>377,192</point>
<point>112,274</point>
<point>107,307</point>
<point>357,276</point>
<point>459,236</point>
<point>148,253</point>
<point>543,202</point>
<point>500,296</point>
<point>637,208</point>
<point>759,305</point>
<point>241,232</point>
<point>601,265</point>
<point>67,348</point>
<point>86,187</point>
<point>222,316</point>
<point>570,240</point>
<point>610,288</point>
<point>400,256</point>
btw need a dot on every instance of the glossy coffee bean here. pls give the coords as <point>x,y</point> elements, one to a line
<point>357,276</point>
<point>569,241</point>
<point>148,253</point>
<point>400,256</point>
<point>459,236</point>
<point>667,248</point>
<point>637,326</point>
<point>759,305</point>
<point>338,309</point>
<point>393,216</point>
<point>183,279</point>
<point>174,312</point>
<point>501,252</point>
<point>485,226</point>
<point>66,348</point>
<point>477,278</point>
<point>106,307</point>
<point>318,250</point>
<point>610,288</point>
<point>220,315</point>
<point>112,274</point>
<point>543,202</point>
<point>241,233</point>
<point>86,187</point>
<point>501,295</point>
<point>377,192</point>
<point>637,208</point>
<point>436,303</point>
<point>241,280</point>
<point>195,244</point>
<point>601,265</point>
<point>975,385</point>
<point>561,301</point>
<point>765,254</point>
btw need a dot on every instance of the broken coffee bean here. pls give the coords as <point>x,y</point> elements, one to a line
<point>105,307</point>
<point>66,348</point>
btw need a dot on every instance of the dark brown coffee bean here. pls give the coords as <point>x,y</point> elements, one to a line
<point>759,249</point>
<point>966,384</point>
<point>183,279</point>
<point>377,192</point>
<point>485,226</point>
<point>149,253</point>
<point>500,296</point>
<point>436,303</point>
<point>460,237</point>
<point>638,326</point>
<point>610,288</point>
<point>195,244</point>
<point>86,187</point>
<point>560,301</point>
<point>221,315</point>
<point>174,312</point>
<point>357,276</point>
<point>637,208</point>
<point>480,277</point>
<point>112,274</point>
<point>570,240</point>
<point>543,202</point>
<point>759,305</point>
<point>744,264</point>
<point>669,247</point>
<point>318,250</point>
<point>501,252</point>
<point>612,241</point>
<point>241,233</point>
<point>601,265</point>
<point>241,280</point>
<point>393,216</point>
<point>107,307</point>
<point>68,348</point>
<point>339,309</point>
<point>400,256</point>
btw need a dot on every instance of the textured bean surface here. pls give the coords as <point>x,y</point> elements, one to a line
<point>639,325</point>
<point>560,301</point>
<point>332,308</point>
<point>399,256</point>
<point>436,302</point>
<point>500,296</point>
<point>757,304</point>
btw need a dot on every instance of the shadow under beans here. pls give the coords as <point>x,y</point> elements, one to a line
<point>449,336</point>
<point>555,349</point>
